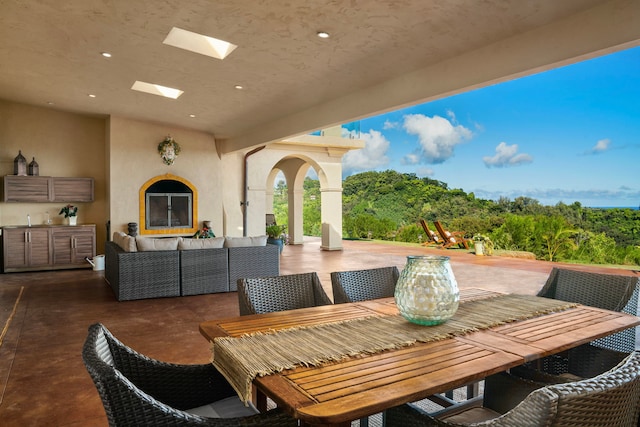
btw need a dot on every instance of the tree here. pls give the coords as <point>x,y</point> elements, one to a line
<point>556,234</point>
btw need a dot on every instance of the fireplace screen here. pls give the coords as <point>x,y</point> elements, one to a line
<point>168,210</point>
<point>168,204</point>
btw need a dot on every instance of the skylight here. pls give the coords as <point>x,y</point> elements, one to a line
<point>153,89</point>
<point>199,43</point>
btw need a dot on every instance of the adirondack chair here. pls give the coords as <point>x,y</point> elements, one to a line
<point>432,237</point>
<point>452,238</point>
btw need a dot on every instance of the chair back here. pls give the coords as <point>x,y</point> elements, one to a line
<point>279,293</point>
<point>451,238</point>
<point>607,291</point>
<point>431,235</point>
<point>443,232</point>
<point>361,285</point>
<point>117,392</point>
<point>611,399</point>
<point>608,400</point>
<point>139,391</point>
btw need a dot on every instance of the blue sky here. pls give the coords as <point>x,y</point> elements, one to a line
<point>565,135</point>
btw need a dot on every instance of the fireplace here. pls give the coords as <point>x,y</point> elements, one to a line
<point>168,206</point>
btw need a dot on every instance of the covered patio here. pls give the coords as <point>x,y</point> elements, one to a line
<point>45,318</point>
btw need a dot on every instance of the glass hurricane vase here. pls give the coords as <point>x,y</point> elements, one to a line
<point>427,292</point>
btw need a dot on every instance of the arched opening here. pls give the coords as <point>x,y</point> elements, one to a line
<point>290,202</point>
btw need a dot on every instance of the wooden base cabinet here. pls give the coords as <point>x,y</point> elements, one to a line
<point>47,247</point>
<point>71,245</point>
<point>26,248</point>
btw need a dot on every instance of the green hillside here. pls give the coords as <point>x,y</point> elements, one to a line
<point>388,205</point>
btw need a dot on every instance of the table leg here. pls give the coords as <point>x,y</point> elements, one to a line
<point>259,399</point>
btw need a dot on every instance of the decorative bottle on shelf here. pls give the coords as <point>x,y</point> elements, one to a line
<point>427,292</point>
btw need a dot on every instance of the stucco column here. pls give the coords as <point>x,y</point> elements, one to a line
<point>295,226</point>
<point>331,217</point>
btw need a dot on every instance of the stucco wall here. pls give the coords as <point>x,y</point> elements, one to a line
<point>64,145</point>
<point>134,160</point>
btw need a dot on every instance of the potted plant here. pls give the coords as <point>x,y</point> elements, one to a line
<point>482,244</point>
<point>274,235</point>
<point>70,212</point>
<point>204,233</point>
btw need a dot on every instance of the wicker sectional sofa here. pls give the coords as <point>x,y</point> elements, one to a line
<point>166,271</point>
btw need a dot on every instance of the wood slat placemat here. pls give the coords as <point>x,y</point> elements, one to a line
<point>241,359</point>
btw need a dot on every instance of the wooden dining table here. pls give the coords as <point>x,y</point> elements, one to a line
<point>335,393</point>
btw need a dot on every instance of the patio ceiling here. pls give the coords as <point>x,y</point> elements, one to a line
<point>381,55</point>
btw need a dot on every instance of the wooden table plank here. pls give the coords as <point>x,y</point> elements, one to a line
<point>408,383</point>
<point>553,333</point>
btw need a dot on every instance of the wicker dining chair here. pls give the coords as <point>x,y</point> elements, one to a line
<point>139,391</point>
<point>608,291</point>
<point>361,285</point>
<point>279,293</point>
<point>611,399</point>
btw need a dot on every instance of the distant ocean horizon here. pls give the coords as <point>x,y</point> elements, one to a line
<point>633,208</point>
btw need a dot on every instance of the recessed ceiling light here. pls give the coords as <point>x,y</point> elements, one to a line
<point>50,103</point>
<point>323,34</point>
<point>91,95</point>
<point>193,116</point>
<point>199,43</point>
<point>106,54</point>
<point>154,89</point>
<point>239,87</point>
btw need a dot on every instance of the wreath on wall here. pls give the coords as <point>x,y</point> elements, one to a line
<point>169,150</point>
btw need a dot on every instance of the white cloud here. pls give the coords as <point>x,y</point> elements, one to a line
<point>373,155</point>
<point>437,136</point>
<point>410,159</point>
<point>390,125</point>
<point>602,145</point>
<point>452,116</point>
<point>506,155</point>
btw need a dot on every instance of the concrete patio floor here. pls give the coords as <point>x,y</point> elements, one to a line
<point>45,316</point>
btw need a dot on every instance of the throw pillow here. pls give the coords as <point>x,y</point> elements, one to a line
<point>151,244</point>
<point>186,244</point>
<point>126,242</point>
<point>129,243</point>
<point>242,242</point>
<point>118,236</point>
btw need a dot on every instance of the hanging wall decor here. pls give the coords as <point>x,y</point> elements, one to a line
<point>169,150</point>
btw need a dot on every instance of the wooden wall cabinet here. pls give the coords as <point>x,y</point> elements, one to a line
<point>26,188</point>
<point>47,189</point>
<point>47,247</point>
